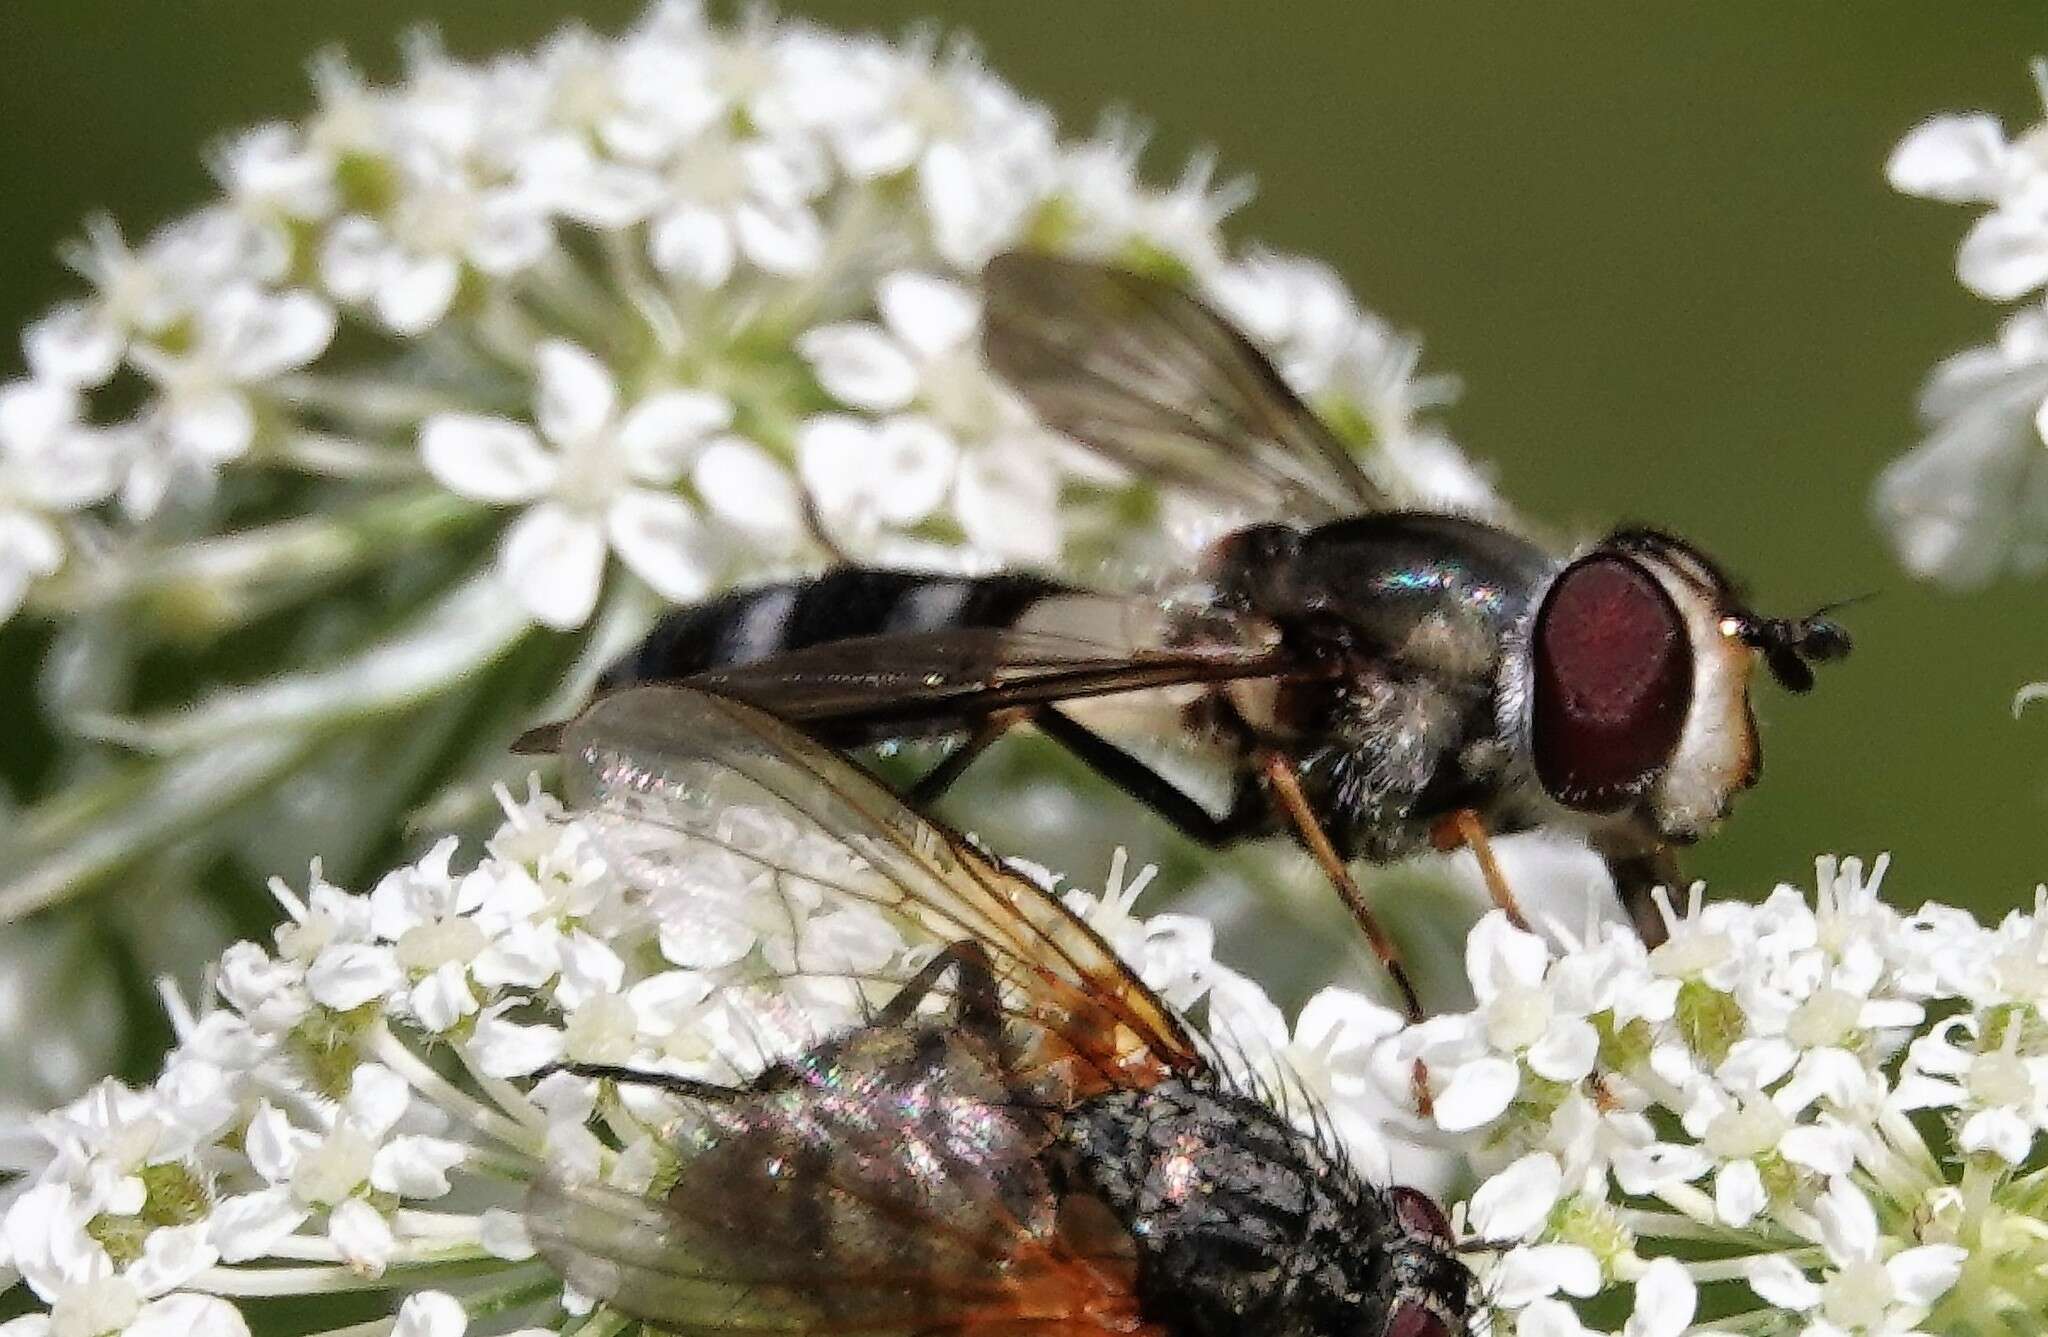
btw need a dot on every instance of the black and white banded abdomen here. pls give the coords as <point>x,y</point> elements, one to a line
<point>755,624</point>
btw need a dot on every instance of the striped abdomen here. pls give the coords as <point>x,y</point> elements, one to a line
<point>750,625</point>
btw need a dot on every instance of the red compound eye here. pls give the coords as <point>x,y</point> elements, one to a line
<point>1613,683</point>
<point>1419,1213</point>
<point>1412,1320</point>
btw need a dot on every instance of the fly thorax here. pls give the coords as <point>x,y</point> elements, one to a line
<point>1241,1223</point>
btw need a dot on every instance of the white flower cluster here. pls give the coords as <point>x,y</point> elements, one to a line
<point>651,292</point>
<point>458,380</point>
<point>1814,1115</point>
<point>1970,503</point>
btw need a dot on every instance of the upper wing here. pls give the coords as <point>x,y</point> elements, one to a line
<point>697,795</point>
<point>1152,378</point>
<point>900,684</point>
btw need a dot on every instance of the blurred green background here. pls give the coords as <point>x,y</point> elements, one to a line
<point>1654,240</point>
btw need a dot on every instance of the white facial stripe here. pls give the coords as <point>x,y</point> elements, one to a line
<point>1716,752</point>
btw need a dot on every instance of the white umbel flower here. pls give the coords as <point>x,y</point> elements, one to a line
<point>1970,503</point>
<point>596,473</point>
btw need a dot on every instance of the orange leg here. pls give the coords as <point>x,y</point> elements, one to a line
<point>1286,790</point>
<point>1285,786</point>
<point>1463,827</point>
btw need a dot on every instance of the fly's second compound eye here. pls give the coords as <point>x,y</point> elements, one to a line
<point>1613,670</point>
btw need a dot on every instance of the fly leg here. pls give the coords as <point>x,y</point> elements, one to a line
<point>666,1081</point>
<point>933,784</point>
<point>1155,791</point>
<point>1638,874</point>
<point>1146,785</point>
<point>1285,787</point>
<point>977,1003</point>
<point>1463,827</point>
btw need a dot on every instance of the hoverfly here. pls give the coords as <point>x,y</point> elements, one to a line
<point>1022,1141</point>
<point>1376,681</point>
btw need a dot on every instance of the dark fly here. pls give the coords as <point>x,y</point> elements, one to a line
<point>1372,680</point>
<point>1022,1140</point>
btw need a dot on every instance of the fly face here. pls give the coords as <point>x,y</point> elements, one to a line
<point>1009,1135</point>
<point>1636,676</point>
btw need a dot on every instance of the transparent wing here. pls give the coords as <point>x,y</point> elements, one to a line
<point>889,1179</point>
<point>1150,377</point>
<point>710,802</point>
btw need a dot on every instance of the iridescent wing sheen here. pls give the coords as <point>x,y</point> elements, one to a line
<point>895,1187</point>
<point>1148,376</point>
<point>694,795</point>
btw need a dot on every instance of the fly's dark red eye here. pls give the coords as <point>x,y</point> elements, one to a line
<point>1419,1212</point>
<point>1613,682</point>
<point>1412,1320</point>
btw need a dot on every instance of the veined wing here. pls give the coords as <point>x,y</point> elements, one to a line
<point>1140,371</point>
<point>689,789</point>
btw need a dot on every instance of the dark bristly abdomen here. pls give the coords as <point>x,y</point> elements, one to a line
<point>749,625</point>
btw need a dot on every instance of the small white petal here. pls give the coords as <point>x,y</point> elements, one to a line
<point>411,295</point>
<point>431,1314</point>
<point>786,242</point>
<point>931,315</point>
<point>552,561</point>
<point>441,1000</point>
<point>1776,1280</point>
<point>1498,956</point>
<point>351,258</point>
<point>1822,1148</point>
<point>74,344</point>
<point>1566,1052</point>
<point>663,432</point>
<point>2005,255</point>
<point>914,463</point>
<point>415,1167</point>
<point>1477,1094</point>
<point>664,541</point>
<point>1954,158</point>
<point>1529,1273</point>
<point>1666,1299</point>
<point>280,334</point>
<point>576,395</point>
<point>506,1049</point>
<point>511,235</point>
<point>1848,1223</point>
<point>1549,1318</point>
<point>214,427</point>
<point>362,1236</point>
<point>860,365</point>
<point>1517,1200</point>
<point>249,1225</point>
<point>748,489</point>
<point>1923,1275</point>
<point>2001,1131</point>
<point>1739,1194</point>
<point>377,1099</point>
<point>172,1256</point>
<point>694,245</point>
<point>490,459</point>
<point>188,1315</point>
<point>347,976</point>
